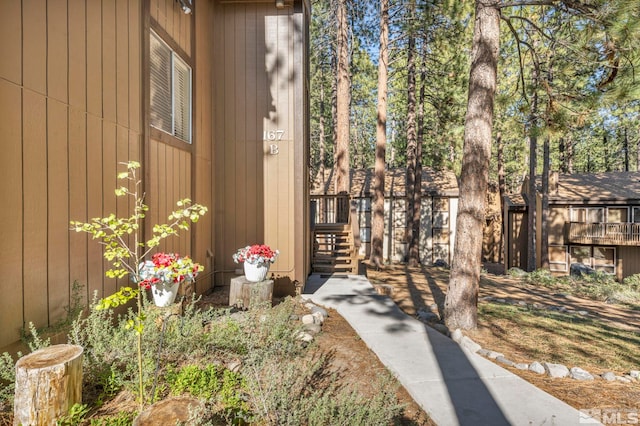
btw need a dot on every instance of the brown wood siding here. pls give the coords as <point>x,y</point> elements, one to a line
<point>169,16</point>
<point>256,82</point>
<point>203,250</point>
<point>557,218</point>
<point>70,87</point>
<point>628,262</point>
<point>169,174</point>
<point>517,240</point>
<point>12,219</point>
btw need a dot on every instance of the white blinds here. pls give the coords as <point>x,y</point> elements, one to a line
<point>170,90</point>
<point>182,99</point>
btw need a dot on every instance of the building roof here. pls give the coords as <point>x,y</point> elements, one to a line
<point>439,183</point>
<point>595,187</point>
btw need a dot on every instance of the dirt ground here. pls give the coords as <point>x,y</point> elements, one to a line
<point>351,359</point>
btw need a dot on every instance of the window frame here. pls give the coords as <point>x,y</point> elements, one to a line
<point>592,263</point>
<point>553,264</point>
<point>176,61</point>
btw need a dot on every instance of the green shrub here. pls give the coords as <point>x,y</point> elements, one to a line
<point>121,419</point>
<point>295,391</point>
<point>199,382</point>
<point>7,379</point>
<point>541,277</point>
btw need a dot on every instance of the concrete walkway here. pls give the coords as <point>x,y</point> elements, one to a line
<point>454,386</point>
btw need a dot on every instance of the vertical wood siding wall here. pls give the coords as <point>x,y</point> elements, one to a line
<point>258,77</point>
<point>169,166</point>
<point>70,111</point>
<point>177,169</point>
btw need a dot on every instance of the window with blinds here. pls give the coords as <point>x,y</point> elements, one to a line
<point>170,90</point>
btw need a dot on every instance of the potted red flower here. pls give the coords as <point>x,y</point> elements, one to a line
<point>257,259</point>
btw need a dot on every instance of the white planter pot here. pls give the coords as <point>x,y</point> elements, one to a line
<point>256,272</point>
<point>164,294</point>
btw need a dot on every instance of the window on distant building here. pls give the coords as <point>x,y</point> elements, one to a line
<point>587,214</point>
<point>599,258</point>
<point>170,90</point>
<point>558,258</point>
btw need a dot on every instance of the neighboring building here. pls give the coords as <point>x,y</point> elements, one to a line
<point>212,102</point>
<point>437,215</point>
<point>594,220</point>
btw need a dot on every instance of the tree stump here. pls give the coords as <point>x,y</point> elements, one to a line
<point>245,294</point>
<point>48,384</point>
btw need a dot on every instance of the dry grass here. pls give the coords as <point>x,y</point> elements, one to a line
<point>608,339</point>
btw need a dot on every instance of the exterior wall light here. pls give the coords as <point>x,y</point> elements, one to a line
<point>186,5</point>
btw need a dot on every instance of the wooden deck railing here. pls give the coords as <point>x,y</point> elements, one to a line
<point>336,209</point>
<point>620,234</point>
<point>330,209</point>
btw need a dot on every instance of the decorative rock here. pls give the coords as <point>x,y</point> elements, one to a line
<point>318,317</point>
<point>178,410</point>
<point>501,300</point>
<point>578,373</point>
<point>522,366</point>
<point>457,336</point>
<point>608,376</point>
<point>483,352</point>
<point>305,337</point>
<point>522,303</point>
<point>635,374</point>
<point>313,328</point>
<point>630,378</point>
<point>234,365</point>
<point>538,306</point>
<point>536,367</point>
<point>487,298</point>
<point>494,355</point>
<point>321,311</point>
<point>309,319</point>
<point>555,370</point>
<point>469,344</point>
<point>583,313</point>
<point>623,379</point>
<point>505,361</point>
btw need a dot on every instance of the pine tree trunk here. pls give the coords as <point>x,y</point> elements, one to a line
<point>502,190</point>
<point>412,144</point>
<point>414,245</point>
<point>544,231</point>
<point>461,303</point>
<point>342,101</point>
<point>626,150</point>
<point>533,165</point>
<point>321,142</point>
<point>377,221</point>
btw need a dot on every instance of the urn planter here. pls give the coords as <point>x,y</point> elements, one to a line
<point>256,272</point>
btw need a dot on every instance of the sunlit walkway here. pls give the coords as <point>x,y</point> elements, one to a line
<point>454,386</point>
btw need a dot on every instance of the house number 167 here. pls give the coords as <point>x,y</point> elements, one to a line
<point>273,135</point>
